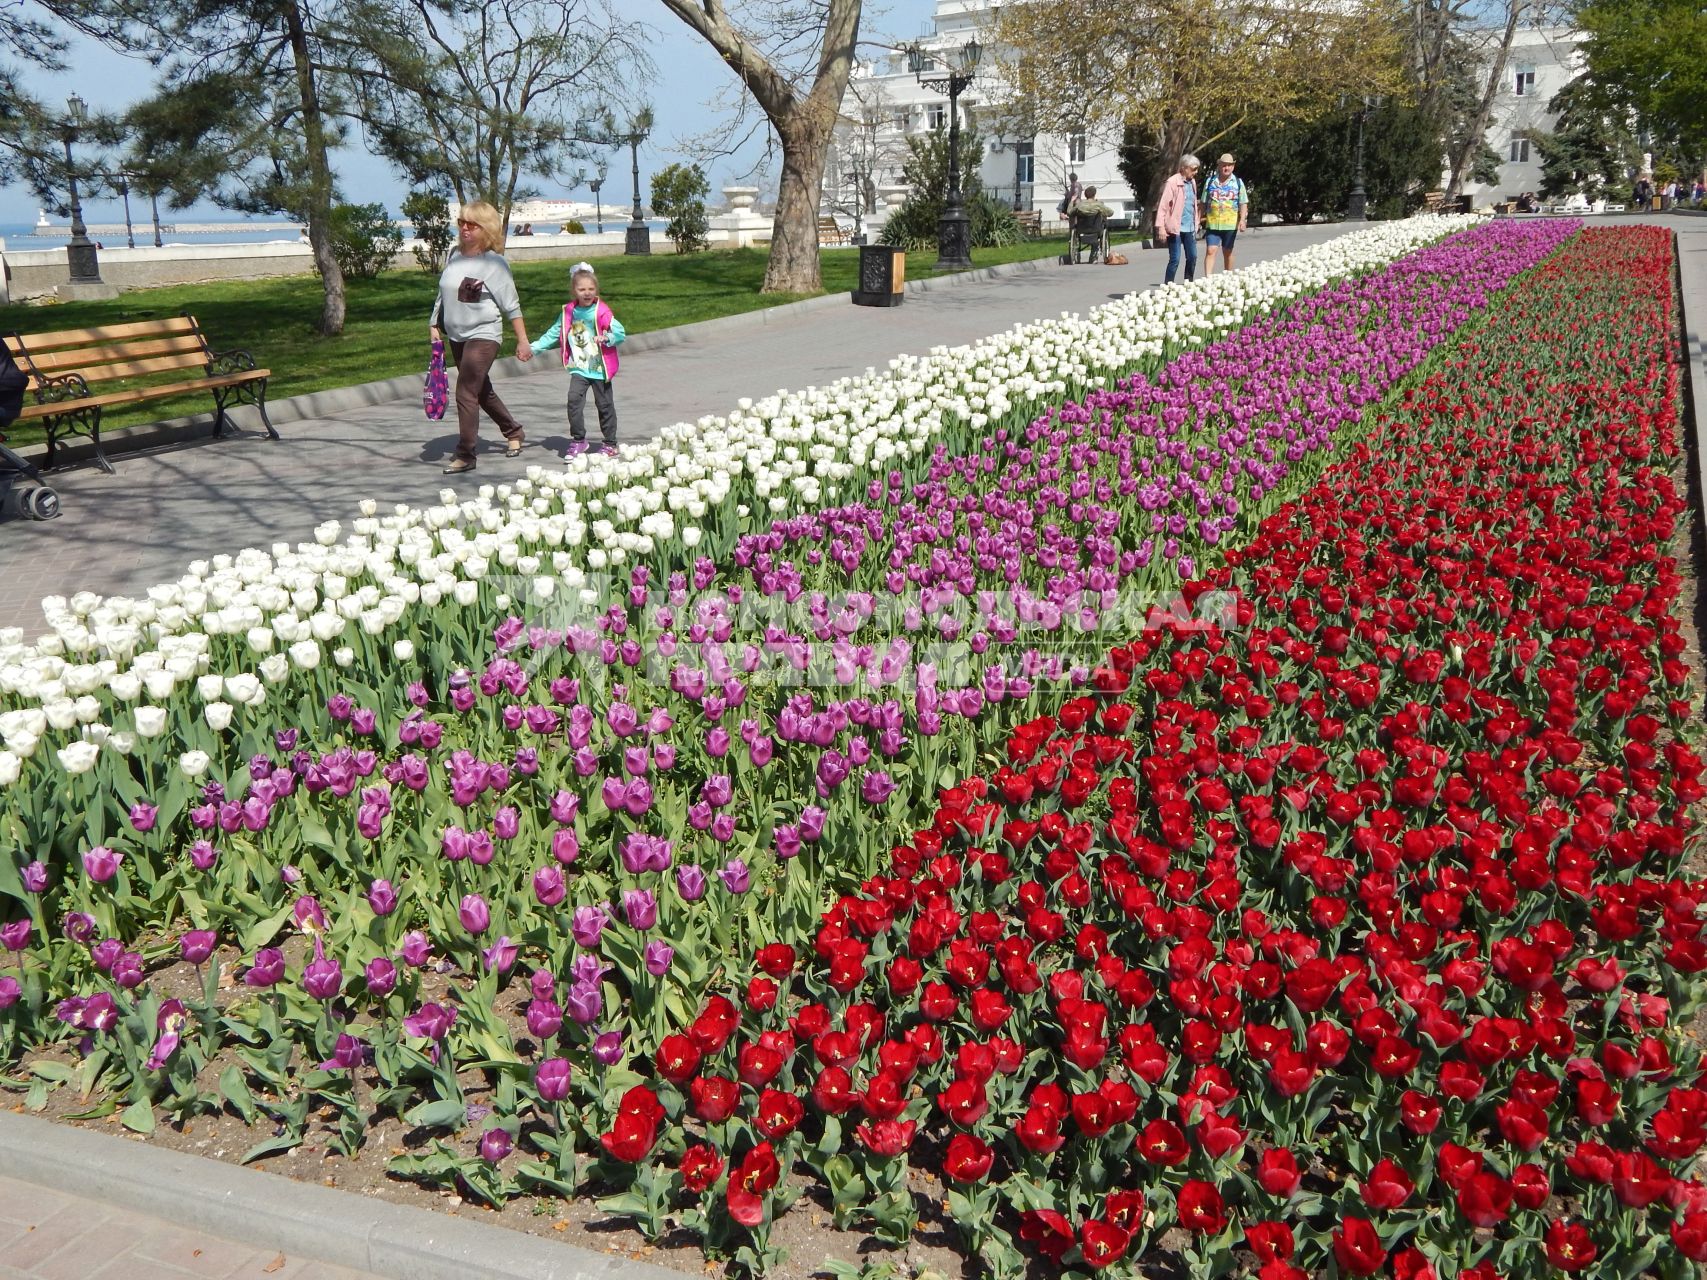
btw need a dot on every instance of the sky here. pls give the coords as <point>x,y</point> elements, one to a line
<point>690,75</point>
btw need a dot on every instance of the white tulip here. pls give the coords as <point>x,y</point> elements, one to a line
<point>403,650</point>
<point>243,688</point>
<point>78,757</point>
<point>344,656</point>
<point>11,767</point>
<point>218,716</point>
<point>192,764</point>
<point>150,721</point>
<point>210,687</point>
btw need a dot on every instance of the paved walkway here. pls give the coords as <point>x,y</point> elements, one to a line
<point>123,533</point>
<point>46,1235</point>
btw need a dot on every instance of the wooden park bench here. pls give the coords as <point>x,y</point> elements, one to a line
<point>1434,201</point>
<point>830,232</point>
<point>76,375</point>
<point>1030,222</point>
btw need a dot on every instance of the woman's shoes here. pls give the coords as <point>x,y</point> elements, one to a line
<point>513,448</point>
<point>458,465</point>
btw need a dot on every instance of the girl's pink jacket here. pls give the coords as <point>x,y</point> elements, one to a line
<point>601,325</point>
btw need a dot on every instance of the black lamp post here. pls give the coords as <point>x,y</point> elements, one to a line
<point>639,234</point>
<point>80,255</point>
<point>1357,203</point>
<point>598,209</point>
<point>124,191</point>
<point>954,231</point>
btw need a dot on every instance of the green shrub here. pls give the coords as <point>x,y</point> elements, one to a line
<point>364,240</point>
<point>429,213</point>
<point>574,227</point>
<point>914,224</point>
<point>678,194</point>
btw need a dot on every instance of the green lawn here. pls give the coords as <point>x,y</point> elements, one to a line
<point>386,331</point>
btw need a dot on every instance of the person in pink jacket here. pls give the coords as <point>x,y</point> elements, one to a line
<point>1176,217</point>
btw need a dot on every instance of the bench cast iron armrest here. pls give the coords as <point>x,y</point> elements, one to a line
<point>233,361</point>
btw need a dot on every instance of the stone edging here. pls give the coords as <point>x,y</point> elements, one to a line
<point>270,1211</point>
<point>321,404</point>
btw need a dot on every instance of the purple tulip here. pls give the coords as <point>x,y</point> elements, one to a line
<point>542,984</point>
<point>622,719</point>
<point>613,791</point>
<point>474,914</point>
<point>100,1012</point>
<point>289,874</point>
<point>564,806</point>
<point>548,886</point>
<point>127,971</point>
<point>787,841</point>
<point>349,1053</point>
<point>10,992</point>
<point>587,924</point>
<point>658,956</point>
<point>500,957</point>
<point>382,897</point>
<point>105,953</point>
<point>551,1079</point>
<point>565,848</point>
<point>79,926</point>
<point>664,756</point>
<point>637,798</point>
<point>197,945</point>
<point>339,706</point>
<point>506,823</point>
<point>690,883</point>
<point>203,855</point>
<point>760,750</point>
<point>35,877</point>
<point>322,978</point>
<point>544,1017</point>
<point>607,1048</point>
<point>876,787</point>
<point>430,1022</point>
<point>415,950</point>
<point>735,876</point>
<point>381,977</point>
<point>636,760</point>
<point>267,969</point>
<point>15,934</point>
<point>480,847</point>
<point>723,828</point>
<point>584,1002</point>
<point>495,1144</point>
<point>642,852</point>
<point>640,907</point>
<point>101,864</point>
<point>142,816</point>
<point>285,740</point>
<point>363,721</point>
<point>308,914</point>
<point>717,743</point>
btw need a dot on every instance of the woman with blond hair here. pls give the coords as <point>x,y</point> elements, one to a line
<point>477,294</point>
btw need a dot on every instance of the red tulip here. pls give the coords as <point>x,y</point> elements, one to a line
<point>1358,1248</point>
<point>967,1159</point>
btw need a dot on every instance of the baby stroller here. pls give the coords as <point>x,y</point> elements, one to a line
<point>1087,233</point>
<point>34,502</point>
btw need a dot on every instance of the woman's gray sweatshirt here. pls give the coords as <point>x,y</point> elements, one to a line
<point>476,295</point>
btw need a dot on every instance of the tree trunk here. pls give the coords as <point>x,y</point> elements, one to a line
<point>1466,153</point>
<point>319,178</point>
<point>793,266</point>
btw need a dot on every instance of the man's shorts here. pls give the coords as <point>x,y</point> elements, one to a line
<point>1224,239</point>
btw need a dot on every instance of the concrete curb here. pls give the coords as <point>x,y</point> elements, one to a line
<point>267,1211</point>
<point>334,400</point>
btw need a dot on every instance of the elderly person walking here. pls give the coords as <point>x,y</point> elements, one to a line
<point>1176,217</point>
<point>477,294</point>
<point>1225,208</point>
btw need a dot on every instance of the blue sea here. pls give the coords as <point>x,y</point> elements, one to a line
<point>22,237</point>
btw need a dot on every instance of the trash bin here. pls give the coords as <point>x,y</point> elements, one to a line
<point>882,276</point>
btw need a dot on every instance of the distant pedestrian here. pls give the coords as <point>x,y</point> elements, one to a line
<point>477,294</point>
<point>1700,192</point>
<point>1643,193</point>
<point>1670,195</point>
<point>1226,205</point>
<point>1071,198</point>
<point>587,336</point>
<point>1176,217</point>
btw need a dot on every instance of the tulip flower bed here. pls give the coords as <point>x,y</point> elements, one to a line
<point>440,831</point>
<point>1357,938</point>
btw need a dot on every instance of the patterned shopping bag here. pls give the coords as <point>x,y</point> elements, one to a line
<point>435,398</point>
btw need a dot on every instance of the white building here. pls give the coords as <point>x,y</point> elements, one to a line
<point>1026,172</point>
<point>1543,60</point>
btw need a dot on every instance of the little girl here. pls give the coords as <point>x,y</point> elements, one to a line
<point>587,336</point>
